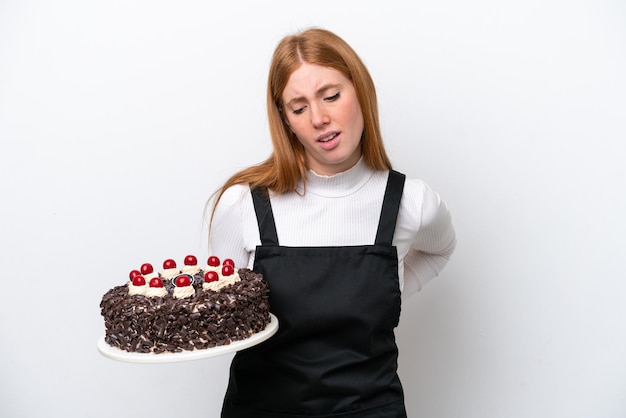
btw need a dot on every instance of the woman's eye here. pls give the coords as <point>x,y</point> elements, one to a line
<point>298,111</point>
<point>332,98</point>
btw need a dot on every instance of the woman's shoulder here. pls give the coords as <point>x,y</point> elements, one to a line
<point>234,194</point>
<point>233,199</point>
<point>422,201</point>
<point>415,188</point>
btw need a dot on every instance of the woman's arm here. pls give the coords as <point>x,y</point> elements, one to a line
<point>433,243</point>
<point>229,233</point>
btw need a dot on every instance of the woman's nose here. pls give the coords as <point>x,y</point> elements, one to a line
<point>319,116</point>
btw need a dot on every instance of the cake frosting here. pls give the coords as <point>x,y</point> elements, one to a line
<point>194,308</point>
<point>137,289</point>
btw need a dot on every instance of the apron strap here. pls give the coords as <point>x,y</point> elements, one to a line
<point>391,206</point>
<point>265,217</point>
<point>386,223</point>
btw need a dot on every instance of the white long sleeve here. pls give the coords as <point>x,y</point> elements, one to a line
<point>342,210</point>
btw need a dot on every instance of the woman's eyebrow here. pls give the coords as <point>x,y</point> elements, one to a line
<point>320,92</point>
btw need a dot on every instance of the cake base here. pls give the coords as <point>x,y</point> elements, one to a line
<point>115,353</point>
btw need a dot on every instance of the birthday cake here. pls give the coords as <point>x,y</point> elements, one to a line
<point>190,308</point>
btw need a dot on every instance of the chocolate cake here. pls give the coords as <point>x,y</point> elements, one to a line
<point>188,309</point>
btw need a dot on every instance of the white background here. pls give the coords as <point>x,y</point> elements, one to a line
<point>118,119</point>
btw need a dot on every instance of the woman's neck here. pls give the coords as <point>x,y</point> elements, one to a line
<point>338,185</point>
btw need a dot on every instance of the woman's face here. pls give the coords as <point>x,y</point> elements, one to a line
<point>322,110</point>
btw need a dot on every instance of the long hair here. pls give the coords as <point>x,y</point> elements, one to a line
<point>286,165</point>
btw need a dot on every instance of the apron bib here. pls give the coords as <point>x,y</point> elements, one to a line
<point>334,354</point>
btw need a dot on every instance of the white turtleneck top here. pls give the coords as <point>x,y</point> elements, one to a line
<point>338,210</point>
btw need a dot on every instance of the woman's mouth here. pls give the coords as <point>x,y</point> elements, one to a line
<point>329,141</point>
<point>328,137</point>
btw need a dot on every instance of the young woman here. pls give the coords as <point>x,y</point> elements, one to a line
<point>337,234</point>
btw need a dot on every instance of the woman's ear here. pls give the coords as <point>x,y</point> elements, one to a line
<point>285,119</point>
<point>279,106</point>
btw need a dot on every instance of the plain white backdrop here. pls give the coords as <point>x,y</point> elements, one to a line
<point>118,119</point>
